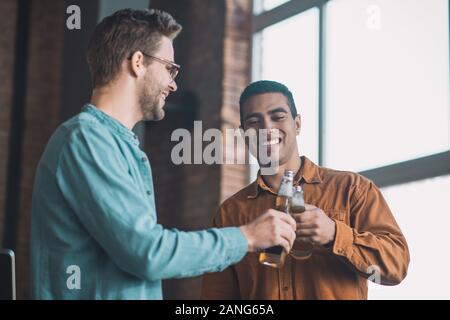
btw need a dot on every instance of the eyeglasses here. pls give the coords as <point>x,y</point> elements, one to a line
<point>174,68</point>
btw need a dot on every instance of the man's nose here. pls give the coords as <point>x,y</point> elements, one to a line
<point>173,86</point>
<point>267,123</point>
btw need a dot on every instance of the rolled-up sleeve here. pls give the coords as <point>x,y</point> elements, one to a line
<point>92,175</point>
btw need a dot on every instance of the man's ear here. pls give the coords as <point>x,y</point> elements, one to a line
<point>298,124</point>
<point>137,66</point>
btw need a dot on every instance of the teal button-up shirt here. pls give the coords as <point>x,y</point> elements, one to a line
<point>94,229</point>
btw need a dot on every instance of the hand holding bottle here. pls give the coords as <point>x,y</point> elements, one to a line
<point>270,229</point>
<point>315,226</point>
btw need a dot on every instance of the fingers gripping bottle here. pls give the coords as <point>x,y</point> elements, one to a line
<point>301,249</point>
<point>275,256</point>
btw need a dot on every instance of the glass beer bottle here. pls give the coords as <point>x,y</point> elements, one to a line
<point>275,256</point>
<point>301,250</point>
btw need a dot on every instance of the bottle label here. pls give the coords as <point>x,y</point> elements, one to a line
<point>285,189</point>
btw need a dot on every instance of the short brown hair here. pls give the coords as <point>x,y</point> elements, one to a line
<point>123,33</point>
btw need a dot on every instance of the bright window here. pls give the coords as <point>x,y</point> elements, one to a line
<point>422,210</point>
<point>387,81</point>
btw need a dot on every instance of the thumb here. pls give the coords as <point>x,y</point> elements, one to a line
<point>309,206</point>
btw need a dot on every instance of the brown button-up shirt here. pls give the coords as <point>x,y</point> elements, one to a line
<point>368,242</point>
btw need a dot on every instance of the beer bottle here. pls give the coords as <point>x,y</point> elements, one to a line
<point>275,256</point>
<point>301,250</point>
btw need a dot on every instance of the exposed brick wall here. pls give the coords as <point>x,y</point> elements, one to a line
<point>42,114</point>
<point>212,50</point>
<point>237,70</point>
<point>8,14</point>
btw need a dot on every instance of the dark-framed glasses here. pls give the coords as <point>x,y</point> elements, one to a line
<point>173,67</point>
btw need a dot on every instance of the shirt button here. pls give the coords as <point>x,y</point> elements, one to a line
<point>149,192</point>
<point>144,159</point>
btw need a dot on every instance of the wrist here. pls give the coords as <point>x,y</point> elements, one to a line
<point>246,233</point>
<point>332,237</point>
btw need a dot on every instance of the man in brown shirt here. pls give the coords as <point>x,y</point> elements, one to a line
<point>354,233</point>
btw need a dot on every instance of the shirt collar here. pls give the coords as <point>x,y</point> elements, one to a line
<point>308,173</point>
<point>115,125</point>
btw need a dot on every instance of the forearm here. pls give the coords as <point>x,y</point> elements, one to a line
<point>177,254</point>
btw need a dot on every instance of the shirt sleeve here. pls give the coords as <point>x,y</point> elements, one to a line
<point>374,243</point>
<point>92,175</point>
<point>222,285</point>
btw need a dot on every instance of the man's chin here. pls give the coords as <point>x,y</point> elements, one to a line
<point>155,117</point>
<point>155,114</point>
<point>269,152</point>
<point>160,113</point>
<point>160,116</point>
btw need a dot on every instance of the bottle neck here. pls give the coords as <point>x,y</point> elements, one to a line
<point>274,181</point>
<point>285,188</point>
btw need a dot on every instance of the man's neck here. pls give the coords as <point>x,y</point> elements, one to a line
<point>273,181</point>
<point>116,103</point>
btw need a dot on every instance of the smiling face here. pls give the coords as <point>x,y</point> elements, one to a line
<point>271,111</point>
<point>157,83</point>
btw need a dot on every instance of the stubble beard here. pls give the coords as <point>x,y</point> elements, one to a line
<point>150,101</point>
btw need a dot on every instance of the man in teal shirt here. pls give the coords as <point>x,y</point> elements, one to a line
<point>94,228</point>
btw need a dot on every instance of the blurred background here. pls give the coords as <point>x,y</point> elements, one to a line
<point>370,79</point>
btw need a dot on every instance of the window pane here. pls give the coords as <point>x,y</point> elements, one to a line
<point>288,52</point>
<point>387,81</point>
<point>422,210</point>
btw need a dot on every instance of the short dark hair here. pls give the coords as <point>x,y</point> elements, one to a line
<point>123,33</point>
<point>266,86</point>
